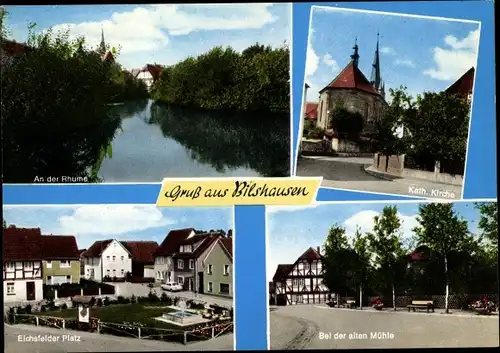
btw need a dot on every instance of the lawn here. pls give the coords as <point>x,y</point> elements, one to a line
<point>119,313</point>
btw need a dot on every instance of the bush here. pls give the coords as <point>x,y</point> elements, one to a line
<point>133,299</point>
<point>64,306</point>
<point>106,301</point>
<point>197,306</point>
<point>153,298</point>
<point>165,299</point>
<point>316,133</point>
<point>99,302</point>
<point>27,309</point>
<point>43,308</point>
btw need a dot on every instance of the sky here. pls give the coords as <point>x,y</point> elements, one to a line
<point>423,54</point>
<point>292,230</point>
<point>165,34</point>
<point>123,222</point>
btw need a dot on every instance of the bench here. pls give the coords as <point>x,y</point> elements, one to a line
<point>421,304</point>
<point>350,304</point>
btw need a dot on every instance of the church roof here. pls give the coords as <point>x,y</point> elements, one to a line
<point>351,77</point>
<point>463,86</point>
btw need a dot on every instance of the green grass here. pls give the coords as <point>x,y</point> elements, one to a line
<point>119,313</point>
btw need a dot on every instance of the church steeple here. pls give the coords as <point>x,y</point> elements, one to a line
<point>355,55</point>
<point>375,77</point>
<point>102,46</point>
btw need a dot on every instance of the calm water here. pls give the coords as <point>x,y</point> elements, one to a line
<point>158,141</point>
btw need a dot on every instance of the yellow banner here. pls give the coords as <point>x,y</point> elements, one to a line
<point>188,192</point>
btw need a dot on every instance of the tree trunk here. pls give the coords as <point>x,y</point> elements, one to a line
<point>446,297</point>
<point>393,297</point>
<point>361,296</point>
<point>338,300</point>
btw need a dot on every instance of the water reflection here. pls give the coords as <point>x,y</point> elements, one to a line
<point>160,141</point>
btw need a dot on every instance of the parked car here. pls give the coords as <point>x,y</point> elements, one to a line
<point>172,287</point>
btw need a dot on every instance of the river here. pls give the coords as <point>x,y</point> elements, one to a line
<point>157,141</point>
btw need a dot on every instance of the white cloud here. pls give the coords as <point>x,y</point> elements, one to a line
<point>276,209</point>
<point>456,58</point>
<point>312,60</point>
<point>364,220</point>
<point>111,220</point>
<point>407,63</point>
<point>147,28</point>
<point>328,61</point>
<point>387,50</point>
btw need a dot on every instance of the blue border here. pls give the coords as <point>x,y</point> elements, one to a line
<point>481,171</point>
<point>250,278</point>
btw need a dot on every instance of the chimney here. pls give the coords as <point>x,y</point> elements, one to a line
<point>318,249</point>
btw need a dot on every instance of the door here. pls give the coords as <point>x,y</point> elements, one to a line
<point>191,284</point>
<point>200,282</point>
<point>30,291</point>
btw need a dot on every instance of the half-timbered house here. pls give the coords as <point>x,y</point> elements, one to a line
<point>301,282</point>
<point>22,270</point>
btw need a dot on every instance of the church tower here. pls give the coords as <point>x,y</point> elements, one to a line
<point>102,46</point>
<point>355,55</point>
<point>376,79</point>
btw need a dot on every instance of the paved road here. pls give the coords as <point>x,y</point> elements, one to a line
<point>348,173</point>
<point>409,330</point>
<point>89,342</point>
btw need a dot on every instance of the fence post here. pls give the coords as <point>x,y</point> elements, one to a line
<point>213,331</point>
<point>64,324</point>
<point>98,327</point>
<point>100,292</point>
<point>185,337</point>
<point>37,322</point>
<point>139,332</point>
<point>55,294</point>
<point>81,292</point>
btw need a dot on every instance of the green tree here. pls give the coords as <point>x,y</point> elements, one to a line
<point>386,245</point>
<point>338,261</point>
<point>362,262</point>
<point>4,224</point>
<point>444,233</point>
<point>345,123</point>
<point>488,222</point>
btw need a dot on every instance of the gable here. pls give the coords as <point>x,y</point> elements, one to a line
<point>115,248</point>
<point>218,250</point>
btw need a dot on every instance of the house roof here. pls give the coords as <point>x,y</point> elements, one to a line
<point>60,247</point>
<point>155,70</point>
<point>464,85</point>
<point>351,77</point>
<point>310,254</point>
<point>311,111</point>
<point>22,245</point>
<point>227,244</point>
<point>12,229</point>
<point>142,251</point>
<point>97,248</point>
<point>108,57</point>
<point>135,72</point>
<point>81,251</point>
<point>282,271</point>
<point>271,287</point>
<point>12,48</point>
<point>205,239</point>
<point>172,241</point>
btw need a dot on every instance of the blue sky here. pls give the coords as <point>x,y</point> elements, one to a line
<point>424,54</point>
<point>124,222</point>
<point>164,34</point>
<point>292,230</point>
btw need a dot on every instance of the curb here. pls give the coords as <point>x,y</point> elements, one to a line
<point>377,175</point>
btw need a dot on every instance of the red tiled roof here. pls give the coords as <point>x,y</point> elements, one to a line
<point>351,77</point>
<point>227,243</point>
<point>311,111</point>
<point>155,70</point>
<point>172,241</point>
<point>12,48</point>
<point>22,245</point>
<point>97,248</point>
<point>81,251</point>
<point>282,271</point>
<point>22,231</point>
<point>60,247</point>
<point>209,240</point>
<point>464,85</point>
<point>310,254</point>
<point>142,251</point>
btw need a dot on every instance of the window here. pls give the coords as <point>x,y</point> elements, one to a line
<point>11,290</point>
<point>28,264</point>
<point>301,282</point>
<point>107,258</point>
<point>122,271</point>
<point>224,288</point>
<point>114,258</point>
<point>209,269</point>
<point>49,264</point>
<point>191,264</point>
<point>49,279</point>
<point>180,264</point>
<point>180,280</point>
<point>64,263</point>
<point>122,258</point>
<point>107,272</point>
<point>295,282</point>
<point>158,275</point>
<point>68,279</point>
<point>11,265</point>
<point>114,273</point>
<point>210,287</point>
<point>226,270</point>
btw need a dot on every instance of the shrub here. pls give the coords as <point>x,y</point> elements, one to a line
<point>99,302</point>
<point>28,309</point>
<point>133,299</point>
<point>64,306</point>
<point>153,298</point>
<point>43,308</point>
<point>106,301</point>
<point>164,297</point>
<point>316,133</point>
<point>120,299</point>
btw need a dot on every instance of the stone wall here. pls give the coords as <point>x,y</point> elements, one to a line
<point>345,146</point>
<point>395,165</point>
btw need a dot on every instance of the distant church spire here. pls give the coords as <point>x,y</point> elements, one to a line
<point>102,46</point>
<point>355,55</point>
<point>375,78</point>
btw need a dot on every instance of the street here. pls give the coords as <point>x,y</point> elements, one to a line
<point>327,328</point>
<point>92,342</point>
<point>348,173</point>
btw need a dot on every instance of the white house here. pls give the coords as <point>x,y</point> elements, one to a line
<point>108,258</point>
<point>146,77</point>
<point>22,270</point>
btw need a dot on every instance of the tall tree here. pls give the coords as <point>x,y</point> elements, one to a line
<point>4,224</point>
<point>488,222</point>
<point>385,243</point>
<point>337,261</point>
<point>362,265</point>
<point>444,233</point>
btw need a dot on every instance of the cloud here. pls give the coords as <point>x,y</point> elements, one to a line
<point>458,56</point>
<point>312,60</point>
<point>147,28</point>
<point>364,220</point>
<point>110,220</point>
<point>328,61</point>
<point>407,63</point>
<point>276,209</point>
<point>387,50</point>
